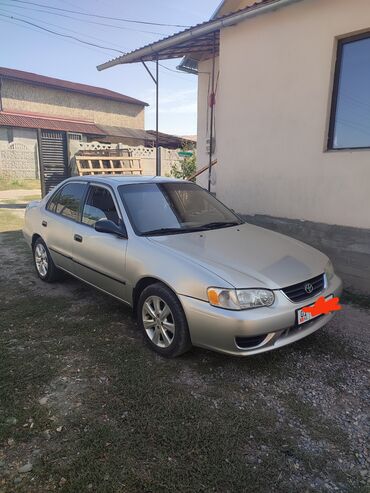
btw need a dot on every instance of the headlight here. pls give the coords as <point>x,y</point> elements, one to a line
<point>240,299</point>
<point>329,271</point>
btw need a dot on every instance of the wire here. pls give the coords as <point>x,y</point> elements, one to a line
<point>85,20</point>
<point>56,25</point>
<point>171,69</point>
<point>15,23</point>
<point>60,34</point>
<point>100,16</point>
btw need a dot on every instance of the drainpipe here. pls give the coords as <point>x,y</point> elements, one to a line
<point>212,104</point>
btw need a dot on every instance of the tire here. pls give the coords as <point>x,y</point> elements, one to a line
<point>44,265</point>
<point>162,321</point>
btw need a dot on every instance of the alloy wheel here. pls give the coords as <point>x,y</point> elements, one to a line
<point>158,321</point>
<point>41,260</point>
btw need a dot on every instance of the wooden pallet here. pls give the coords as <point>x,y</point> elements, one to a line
<point>108,165</point>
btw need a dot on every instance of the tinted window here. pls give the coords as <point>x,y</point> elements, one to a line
<point>70,200</point>
<point>53,202</point>
<point>178,206</point>
<point>350,124</point>
<point>99,205</point>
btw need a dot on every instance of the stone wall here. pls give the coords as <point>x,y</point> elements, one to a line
<point>348,248</point>
<point>18,158</point>
<point>20,96</point>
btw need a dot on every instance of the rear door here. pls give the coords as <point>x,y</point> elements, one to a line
<point>62,215</point>
<point>100,257</point>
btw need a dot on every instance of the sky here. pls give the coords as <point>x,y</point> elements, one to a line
<point>26,47</point>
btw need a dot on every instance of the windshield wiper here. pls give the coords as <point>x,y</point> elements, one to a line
<point>167,231</point>
<point>164,231</point>
<point>219,224</point>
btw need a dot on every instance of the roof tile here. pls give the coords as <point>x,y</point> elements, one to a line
<point>26,121</point>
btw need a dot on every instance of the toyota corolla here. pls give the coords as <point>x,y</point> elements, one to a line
<point>193,272</point>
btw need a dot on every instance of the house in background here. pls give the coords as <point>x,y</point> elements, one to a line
<point>291,118</point>
<point>292,124</point>
<point>40,117</point>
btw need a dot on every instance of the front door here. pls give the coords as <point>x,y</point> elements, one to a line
<point>100,257</point>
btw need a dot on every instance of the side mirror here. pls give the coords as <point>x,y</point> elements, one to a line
<point>106,226</point>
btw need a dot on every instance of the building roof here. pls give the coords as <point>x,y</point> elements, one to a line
<point>172,141</point>
<point>127,133</point>
<point>51,82</point>
<point>45,122</point>
<point>24,120</point>
<point>200,39</point>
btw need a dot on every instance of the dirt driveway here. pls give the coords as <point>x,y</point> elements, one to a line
<point>85,407</point>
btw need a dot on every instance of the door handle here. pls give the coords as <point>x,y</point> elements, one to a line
<point>78,238</point>
<point>44,223</point>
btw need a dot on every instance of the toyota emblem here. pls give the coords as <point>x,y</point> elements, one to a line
<point>308,288</point>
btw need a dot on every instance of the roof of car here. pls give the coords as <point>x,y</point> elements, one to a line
<point>116,180</point>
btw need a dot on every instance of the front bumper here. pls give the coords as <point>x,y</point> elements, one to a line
<point>272,327</point>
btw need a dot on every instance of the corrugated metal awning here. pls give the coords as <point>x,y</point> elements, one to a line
<point>23,120</point>
<point>201,39</point>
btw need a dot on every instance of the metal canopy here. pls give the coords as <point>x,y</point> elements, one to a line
<point>197,39</point>
<point>203,41</point>
<point>163,50</point>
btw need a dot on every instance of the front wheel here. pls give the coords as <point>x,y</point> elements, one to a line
<point>45,267</point>
<point>163,321</point>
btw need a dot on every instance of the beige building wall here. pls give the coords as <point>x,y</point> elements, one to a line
<point>20,96</point>
<point>272,114</point>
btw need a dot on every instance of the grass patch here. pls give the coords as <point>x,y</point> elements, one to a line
<point>24,200</point>
<point>10,221</point>
<point>9,184</point>
<point>120,418</point>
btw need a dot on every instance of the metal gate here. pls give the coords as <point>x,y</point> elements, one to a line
<point>53,158</point>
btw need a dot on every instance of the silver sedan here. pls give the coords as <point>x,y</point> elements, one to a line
<point>193,272</point>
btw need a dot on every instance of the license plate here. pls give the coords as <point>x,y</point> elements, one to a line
<point>303,317</point>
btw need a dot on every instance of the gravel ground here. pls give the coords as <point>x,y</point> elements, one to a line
<point>84,406</point>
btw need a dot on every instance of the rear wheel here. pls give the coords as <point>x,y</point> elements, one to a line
<point>45,267</point>
<point>163,322</point>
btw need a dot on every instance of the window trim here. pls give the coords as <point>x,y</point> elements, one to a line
<point>59,191</point>
<point>334,99</point>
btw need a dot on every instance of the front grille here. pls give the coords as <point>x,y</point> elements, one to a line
<point>297,292</point>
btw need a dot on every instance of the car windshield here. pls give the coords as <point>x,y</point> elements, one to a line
<point>173,207</point>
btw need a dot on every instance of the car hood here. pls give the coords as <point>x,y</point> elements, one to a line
<point>248,256</point>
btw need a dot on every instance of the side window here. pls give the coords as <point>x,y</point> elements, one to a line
<point>99,205</point>
<point>52,204</point>
<point>69,200</point>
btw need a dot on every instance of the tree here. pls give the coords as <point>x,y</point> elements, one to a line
<point>186,167</point>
